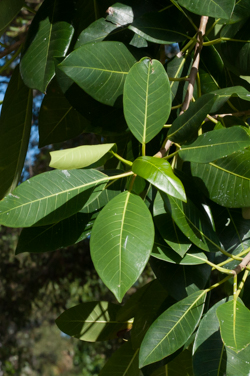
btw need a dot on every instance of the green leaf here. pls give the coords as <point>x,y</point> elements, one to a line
<point>124,362</point>
<point>179,279</point>
<point>95,32</point>
<point>171,234</point>
<point>121,242</point>
<point>120,14</point>
<point>222,96</point>
<point>57,235</point>
<point>175,69</point>
<point>162,28</point>
<point>238,364</point>
<point>147,99</point>
<point>180,366</point>
<point>172,329</point>
<point>148,310</point>
<point>92,321</point>
<point>8,11</point>
<point>99,69</point>
<point>211,8</point>
<point>215,144</point>
<point>192,223</point>
<point>186,126</point>
<point>163,252</point>
<point>234,318</point>
<point>238,53</point>
<point>241,11</point>
<point>49,36</point>
<point>227,180</point>
<point>159,173</point>
<point>58,119</point>
<point>50,197</point>
<point>15,123</point>
<point>81,156</point>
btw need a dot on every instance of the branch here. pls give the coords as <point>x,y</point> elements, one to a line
<point>11,48</point>
<point>237,114</point>
<point>196,62</point>
<point>244,263</point>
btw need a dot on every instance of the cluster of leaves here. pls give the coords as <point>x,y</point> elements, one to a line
<point>185,206</point>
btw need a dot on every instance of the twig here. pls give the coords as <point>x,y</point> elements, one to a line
<point>196,62</point>
<point>11,48</point>
<point>164,150</point>
<point>244,263</point>
<point>237,114</point>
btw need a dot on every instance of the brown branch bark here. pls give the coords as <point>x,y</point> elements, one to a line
<point>237,114</point>
<point>192,78</point>
<point>196,62</point>
<point>12,47</point>
<point>242,265</point>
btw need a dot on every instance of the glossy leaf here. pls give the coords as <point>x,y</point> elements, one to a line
<point>172,329</point>
<point>208,347</point>
<point>124,362</point>
<point>175,69</point>
<point>233,317</point>
<point>241,11</point>
<point>57,235</point>
<point>15,124</point>
<point>179,279</point>
<point>215,144</point>
<point>49,36</point>
<point>180,366</point>
<point>58,119</point>
<point>211,8</point>
<point>163,252</point>
<point>99,69</point>
<point>222,96</point>
<point>125,224</point>
<point>8,11</point>
<point>159,28</point>
<point>95,32</point>
<point>225,181</point>
<point>238,364</point>
<point>120,14</point>
<point>192,223</point>
<point>159,173</point>
<point>185,127</point>
<point>147,99</point>
<point>171,234</point>
<point>91,321</point>
<point>50,197</point>
<point>148,310</point>
<point>81,156</point>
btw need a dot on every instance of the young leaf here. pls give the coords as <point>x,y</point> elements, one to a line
<point>92,321</point>
<point>234,318</point>
<point>211,8</point>
<point>81,156</point>
<point>124,362</point>
<point>227,180</point>
<point>172,329</point>
<point>159,173</point>
<point>50,197</point>
<point>49,36</point>
<point>121,242</point>
<point>15,123</point>
<point>147,99</point>
<point>215,144</point>
<point>99,69</point>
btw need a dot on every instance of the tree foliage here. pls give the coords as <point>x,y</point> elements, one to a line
<point>168,183</point>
